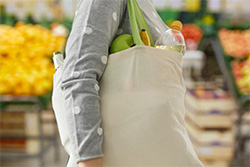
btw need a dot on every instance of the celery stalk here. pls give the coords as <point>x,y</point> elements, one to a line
<point>133,23</point>
<point>141,21</point>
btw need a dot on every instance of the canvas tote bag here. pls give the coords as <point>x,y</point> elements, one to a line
<point>142,107</point>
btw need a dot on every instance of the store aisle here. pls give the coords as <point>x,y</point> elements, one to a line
<point>34,162</point>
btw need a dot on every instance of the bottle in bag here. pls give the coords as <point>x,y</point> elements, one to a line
<point>172,39</point>
<point>57,59</point>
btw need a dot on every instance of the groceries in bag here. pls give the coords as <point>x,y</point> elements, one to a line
<point>137,20</point>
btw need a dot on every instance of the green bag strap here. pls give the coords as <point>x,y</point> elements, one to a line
<point>136,19</point>
<point>143,24</point>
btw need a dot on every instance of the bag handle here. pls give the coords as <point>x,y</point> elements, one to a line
<point>137,19</point>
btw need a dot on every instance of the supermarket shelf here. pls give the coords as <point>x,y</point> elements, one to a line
<point>22,155</point>
<point>31,108</point>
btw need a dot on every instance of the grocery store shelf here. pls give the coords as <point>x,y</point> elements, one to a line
<point>242,101</point>
<point>19,155</point>
<point>224,64</point>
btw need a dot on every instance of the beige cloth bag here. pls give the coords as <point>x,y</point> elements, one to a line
<point>142,106</point>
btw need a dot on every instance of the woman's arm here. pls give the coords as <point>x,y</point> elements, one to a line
<point>91,163</point>
<point>94,27</point>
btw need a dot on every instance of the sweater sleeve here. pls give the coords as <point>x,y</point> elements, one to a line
<point>94,27</point>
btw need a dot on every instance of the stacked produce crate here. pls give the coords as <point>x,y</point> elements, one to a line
<point>210,125</point>
<point>23,128</point>
<point>18,124</point>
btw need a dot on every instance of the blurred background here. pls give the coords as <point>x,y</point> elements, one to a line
<point>216,68</point>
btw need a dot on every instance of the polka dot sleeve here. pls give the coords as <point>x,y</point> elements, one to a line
<point>94,27</point>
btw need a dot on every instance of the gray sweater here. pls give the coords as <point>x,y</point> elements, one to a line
<point>96,24</point>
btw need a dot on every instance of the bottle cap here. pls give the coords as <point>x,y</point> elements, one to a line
<point>177,25</point>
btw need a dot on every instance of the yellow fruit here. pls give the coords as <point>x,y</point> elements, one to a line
<point>26,66</point>
<point>144,37</point>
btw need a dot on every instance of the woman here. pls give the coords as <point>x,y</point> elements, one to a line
<point>96,24</point>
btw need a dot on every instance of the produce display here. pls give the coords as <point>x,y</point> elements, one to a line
<point>241,72</point>
<point>26,63</point>
<point>192,34</point>
<point>235,43</point>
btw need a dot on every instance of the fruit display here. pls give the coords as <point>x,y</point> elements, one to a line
<point>26,63</point>
<point>241,72</point>
<point>192,34</point>
<point>235,43</point>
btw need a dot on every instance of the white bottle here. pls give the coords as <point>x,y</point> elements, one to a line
<point>172,39</point>
<point>57,59</point>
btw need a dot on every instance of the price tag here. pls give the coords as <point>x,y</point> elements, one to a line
<point>177,4</point>
<point>234,6</point>
<point>160,4</point>
<point>214,5</point>
<point>42,11</point>
<point>69,7</point>
<point>11,8</point>
<point>246,6</point>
